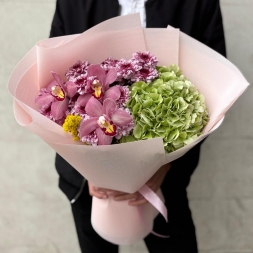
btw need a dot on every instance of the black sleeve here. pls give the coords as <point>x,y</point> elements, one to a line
<point>57,27</point>
<point>211,33</point>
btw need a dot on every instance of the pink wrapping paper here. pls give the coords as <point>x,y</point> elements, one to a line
<point>124,225</point>
<point>124,167</point>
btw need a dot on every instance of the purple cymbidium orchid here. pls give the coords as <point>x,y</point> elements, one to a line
<point>98,87</point>
<point>80,105</point>
<point>104,120</point>
<point>55,97</point>
<point>98,81</point>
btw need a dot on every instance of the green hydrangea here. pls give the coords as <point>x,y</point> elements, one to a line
<point>169,107</point>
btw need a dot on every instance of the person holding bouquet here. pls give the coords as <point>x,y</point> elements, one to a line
<point>200,19</point>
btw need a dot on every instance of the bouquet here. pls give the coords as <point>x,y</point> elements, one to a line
<point>125,100</point>
<point>151,133</point>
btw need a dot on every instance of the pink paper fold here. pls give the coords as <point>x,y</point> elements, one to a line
<point>119,223</point>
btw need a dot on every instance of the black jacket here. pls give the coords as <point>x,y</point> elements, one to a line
<point>201,19</point>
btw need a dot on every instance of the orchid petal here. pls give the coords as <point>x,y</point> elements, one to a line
<point>88,126</point>
<point>103,139</point>
<point>98,71</point>
<point>110,77</point>
<point>71,89</point>
<point>43,100</point>
<point>109,107</point>
<point>121,118</point>
<point>59,108</point>
<point>94,108</point>
<point>87,88</point>
<point>51,84</point>
<point>57,78</point>
<point>83,99</point>
<point>113,93</point>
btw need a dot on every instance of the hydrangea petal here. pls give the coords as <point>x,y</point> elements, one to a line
<point>113,93</point>
<point>137,131</point>
<point>59,108</point>
<point>94,108</point>
<point>88,126</point>
<point>169,107</point>
<point>109,107</point>
<point>103,139</point>
<point>121,118</point>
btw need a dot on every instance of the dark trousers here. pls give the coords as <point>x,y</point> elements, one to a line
<point>180,227</point>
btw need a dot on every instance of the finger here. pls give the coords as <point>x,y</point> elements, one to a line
<point>93,192</point>
<point>125,197</point>
<point>113,193</point>
<point>109,192</point>
<point>102,189</point>
<point>137,202</point>
<point>98,195</point>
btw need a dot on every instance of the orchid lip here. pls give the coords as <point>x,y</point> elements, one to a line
<point>96,83</point>
<point>58,93</point>
<point>107,126</point>
<point>97,93</point>
<point>97,87</point>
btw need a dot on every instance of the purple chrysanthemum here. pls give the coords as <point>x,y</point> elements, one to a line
<point>144,59</point>
<point>90,139</point>
<point>125,69</point>
<point>109,63</point>
<point>45,109</point>
<point>73,104</point>
<point>145,74</point>
<point>81,82</point>
<point>79,68</point>
<point>124,96</point>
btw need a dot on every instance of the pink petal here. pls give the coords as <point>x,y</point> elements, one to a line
<point>88,126</point>
<point>103,139</point>
<point>59,108</point>
<point>82,100</point>
<point>113,93</point>
<point>121,118</point>
<point>71,89</point>
<point>109,107</point>
<point>51,84</point>
<point>88,88</point>
<point>110,78</point>
<point>94,108</point>
<point>44,100</point>
<point>57,78</point>
<point>96,70</point>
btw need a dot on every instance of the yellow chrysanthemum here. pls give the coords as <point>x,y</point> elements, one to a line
<point>71,124</point>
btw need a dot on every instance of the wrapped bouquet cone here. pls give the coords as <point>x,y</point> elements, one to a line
<point>124,167</point>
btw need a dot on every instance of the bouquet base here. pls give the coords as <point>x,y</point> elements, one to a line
<point>121,224</point>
